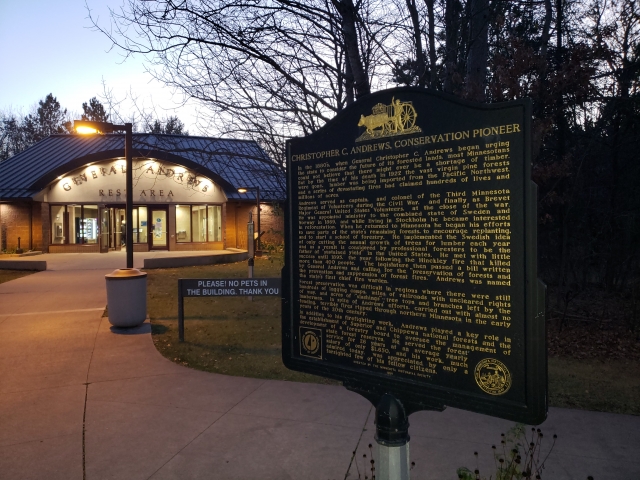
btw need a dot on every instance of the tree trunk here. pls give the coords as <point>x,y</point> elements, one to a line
<point>477,59</point>
<point>348,15</point>
<point>432,45</point>
<point>560,120</point>
<point>348,83</point>
<point>417,42</point>
<point>451,25</point>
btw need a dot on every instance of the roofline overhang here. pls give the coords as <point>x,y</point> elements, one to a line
<point>79,162</point>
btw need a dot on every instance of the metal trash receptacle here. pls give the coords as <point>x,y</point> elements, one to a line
<point>127,297</point>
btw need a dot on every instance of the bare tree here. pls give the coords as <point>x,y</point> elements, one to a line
<point>268,69</point>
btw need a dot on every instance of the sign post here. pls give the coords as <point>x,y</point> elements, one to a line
<point>410,263</point>
<point>250,248</point>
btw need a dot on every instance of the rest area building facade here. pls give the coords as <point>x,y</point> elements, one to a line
<point>67,194</point>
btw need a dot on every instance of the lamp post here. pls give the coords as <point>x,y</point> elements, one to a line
<point>127,287</point>
<point>83,126</point>
<point>257,190</point>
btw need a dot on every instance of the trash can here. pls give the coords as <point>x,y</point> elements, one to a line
<point>127,297</point>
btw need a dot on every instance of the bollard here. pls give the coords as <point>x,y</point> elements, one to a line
<point>392,437</point>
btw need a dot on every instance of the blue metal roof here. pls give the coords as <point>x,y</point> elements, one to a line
<point>230,163</point>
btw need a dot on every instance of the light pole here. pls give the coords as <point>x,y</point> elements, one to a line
<point>83,126</point>
<point>257,189</point>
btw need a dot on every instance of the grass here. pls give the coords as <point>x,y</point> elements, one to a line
<point>8,275</point>
<point>611,386</point>
<point>233,336</point>
<point>229,335</point>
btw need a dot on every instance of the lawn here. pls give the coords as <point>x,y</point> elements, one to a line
<point>235,336</point>
<point>8,275</point>
<point>591,384</point>
<point>229,335</point>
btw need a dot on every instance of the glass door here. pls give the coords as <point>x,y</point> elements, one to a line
<point>159,229</point>
<point>119,228</point>
<point>104,230</point>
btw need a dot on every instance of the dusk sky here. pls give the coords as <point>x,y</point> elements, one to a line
<point>51,47</point>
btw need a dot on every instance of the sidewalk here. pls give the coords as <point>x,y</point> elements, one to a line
<point>73,388</point>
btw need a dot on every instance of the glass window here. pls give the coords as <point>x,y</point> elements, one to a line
<point>215,223</point>
<point>90,224</point>
<point>136,226</point>
<point>199,222</point>
<point>57,224</point>
<point>183,223</point>
<point>75,223</point>
<point>142,226</point>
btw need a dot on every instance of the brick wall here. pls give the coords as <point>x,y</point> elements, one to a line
<point>3,231</point>
<point>15,223</point>
<point>242,218</point>
<point>272,223</point>
<point>75,248</point>
<point>229,234</point>
<point>45,226</point>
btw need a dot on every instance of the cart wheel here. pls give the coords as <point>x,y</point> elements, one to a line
<point>407,116</point>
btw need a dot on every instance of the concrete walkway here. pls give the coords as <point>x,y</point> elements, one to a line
<point>79,400</point>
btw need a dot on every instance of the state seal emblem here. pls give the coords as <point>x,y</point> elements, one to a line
<point>493,376</point>
<point>311,342</point>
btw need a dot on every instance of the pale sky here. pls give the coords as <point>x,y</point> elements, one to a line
<point>49,47</point>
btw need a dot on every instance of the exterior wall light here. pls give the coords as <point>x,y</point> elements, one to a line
<point>257,190</point>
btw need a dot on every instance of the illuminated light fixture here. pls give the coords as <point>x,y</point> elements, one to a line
<point>257,190</point>
<point>85,130</point>
<point>88,127</point>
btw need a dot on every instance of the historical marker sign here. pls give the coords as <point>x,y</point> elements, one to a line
<point>411,254</point>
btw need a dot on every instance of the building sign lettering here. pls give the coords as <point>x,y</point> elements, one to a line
<point>153,181</point>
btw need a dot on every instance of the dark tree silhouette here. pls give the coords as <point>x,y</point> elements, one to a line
<point>94,111</point>
<point>171,126</point>
<point>48,119</point>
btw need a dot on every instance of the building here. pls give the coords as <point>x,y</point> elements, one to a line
<point>67,194</point>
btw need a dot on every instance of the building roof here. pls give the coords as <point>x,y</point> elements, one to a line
<point>230,163</point>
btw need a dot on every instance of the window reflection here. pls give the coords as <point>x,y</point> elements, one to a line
<point>183,223</point>
<point>215,223</point>
<point>199,222</point>
<point>57,224</point>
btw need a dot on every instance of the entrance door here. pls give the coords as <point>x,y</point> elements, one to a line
<point>118,230</point>
<point>105,225</point>
<point>158,233</point>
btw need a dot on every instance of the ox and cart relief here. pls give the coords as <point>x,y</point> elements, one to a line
<point>398,118</point>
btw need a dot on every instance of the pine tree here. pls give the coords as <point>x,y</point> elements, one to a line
<point>50,118</point>
<point>94,111</point>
